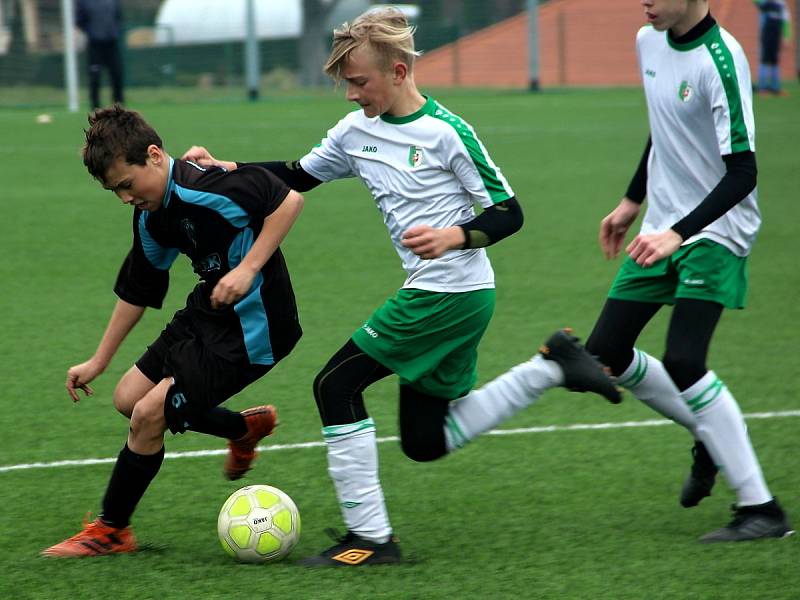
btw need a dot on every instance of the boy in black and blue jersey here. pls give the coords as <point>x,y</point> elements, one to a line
<point>239,321</point>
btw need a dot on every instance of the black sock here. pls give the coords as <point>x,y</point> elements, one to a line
<point>131,475</point>
<point>219,422</point>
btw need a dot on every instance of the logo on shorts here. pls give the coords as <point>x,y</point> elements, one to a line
<point>414,156</point>
<point>685,92</point>
<point>694,282</point>
<point>370,331</point>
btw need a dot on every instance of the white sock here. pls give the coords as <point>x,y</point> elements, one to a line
<point>353,466</point>
<point>721,427</point>
<point>648,380</point>
<point>484,408</point>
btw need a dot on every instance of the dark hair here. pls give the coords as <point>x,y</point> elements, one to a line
<point>115,133</point>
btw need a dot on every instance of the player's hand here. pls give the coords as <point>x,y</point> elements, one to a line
<point>615,225</point>
<point>79,376</point>
<point>431,242</point>
<point>235,284</point>
<point>649,249</point>
<point>201,156</point>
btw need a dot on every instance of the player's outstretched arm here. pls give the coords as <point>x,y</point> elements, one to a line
<point>238,281</point>
<point>291,173</point>
<point>123,319</point>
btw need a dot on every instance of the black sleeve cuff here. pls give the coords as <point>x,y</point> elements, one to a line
<point>739,180</point>
<point>493,224</point>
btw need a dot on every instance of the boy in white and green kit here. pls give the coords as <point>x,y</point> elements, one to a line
<point>698,173</point>
<point>426,169</point>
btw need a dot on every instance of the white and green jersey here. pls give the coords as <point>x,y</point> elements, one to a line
<point>700,108</point>
<point>428,168</point>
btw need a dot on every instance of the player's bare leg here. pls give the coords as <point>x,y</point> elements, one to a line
<point>132,387</point>
<point>137,464</point>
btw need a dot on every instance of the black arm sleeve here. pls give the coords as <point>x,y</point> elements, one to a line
<point>290,172</point>
<point>739,180</point>
<point>493,224</point>
<point>637,189</point>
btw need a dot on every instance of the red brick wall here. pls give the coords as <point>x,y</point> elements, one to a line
<point>582,43</point>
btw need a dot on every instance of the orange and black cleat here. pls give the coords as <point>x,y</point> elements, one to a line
<point>260,421</point>
<point>96,539</point>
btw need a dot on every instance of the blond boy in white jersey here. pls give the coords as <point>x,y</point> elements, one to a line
<point>699,175</point>
<point>425,168</point>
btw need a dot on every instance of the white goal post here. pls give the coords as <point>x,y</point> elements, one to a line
<point>70,54</point>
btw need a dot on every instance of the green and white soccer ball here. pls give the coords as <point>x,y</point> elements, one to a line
<point>258,524</point>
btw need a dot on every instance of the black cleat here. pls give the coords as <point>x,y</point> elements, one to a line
<point>352,551</point>
<point>701,479</point>
<point>582,371</point>
<point>753,523</point>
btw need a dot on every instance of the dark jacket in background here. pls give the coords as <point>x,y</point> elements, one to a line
<point>100,20</point>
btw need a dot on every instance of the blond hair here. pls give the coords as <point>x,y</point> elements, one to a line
<point>388,34</point>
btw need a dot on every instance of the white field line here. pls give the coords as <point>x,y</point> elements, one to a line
<point>275,447</point>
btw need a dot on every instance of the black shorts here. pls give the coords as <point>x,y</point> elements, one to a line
<point>204,378</point>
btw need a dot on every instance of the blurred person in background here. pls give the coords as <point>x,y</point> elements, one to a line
<point>775,26</point>
<point>101,21</point>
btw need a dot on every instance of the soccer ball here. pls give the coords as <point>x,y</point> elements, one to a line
<point>258,524</point>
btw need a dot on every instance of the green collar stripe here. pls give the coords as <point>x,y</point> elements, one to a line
<point>723,60</point>
<point>494,187</point>
<point>332,432</point>
<point>426,109</point>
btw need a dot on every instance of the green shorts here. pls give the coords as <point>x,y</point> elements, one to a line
<point>703,270</point>
<point>430,339</point>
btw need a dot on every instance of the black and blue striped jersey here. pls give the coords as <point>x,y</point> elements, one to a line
<point>213,216</point>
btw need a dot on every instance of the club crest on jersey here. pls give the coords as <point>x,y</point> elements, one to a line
<point>189,232</point>
<point>685,92</point>
<point>414,156</point>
